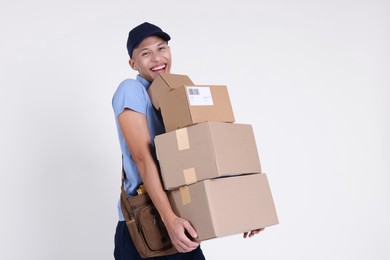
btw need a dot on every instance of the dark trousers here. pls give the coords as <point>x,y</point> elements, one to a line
<point>125,249</point>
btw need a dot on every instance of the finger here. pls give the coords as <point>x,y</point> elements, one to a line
<point>186,240</point>
<point>255,232</point>
<point>245,234</point>
<point>190,230</point>
<point>184,247</point>
<point>181,247</point>
<point>178,248</point>
<point>189,244</point>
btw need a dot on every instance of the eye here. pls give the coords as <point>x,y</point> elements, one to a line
<point>162,48</point>
<point>145,53</point>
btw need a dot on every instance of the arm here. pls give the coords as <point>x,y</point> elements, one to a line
<point>136,133</point>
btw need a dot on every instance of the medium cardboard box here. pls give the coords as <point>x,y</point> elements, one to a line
<point>226,206</point>
<point>204,151</point>
<point>164,83</point>
<point>188,105</point>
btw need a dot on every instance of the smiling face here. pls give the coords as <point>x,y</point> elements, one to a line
<point>151,57</point>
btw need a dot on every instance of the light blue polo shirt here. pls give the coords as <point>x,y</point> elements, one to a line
<point>132,94</point>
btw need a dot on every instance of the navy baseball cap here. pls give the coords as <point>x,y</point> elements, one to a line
<point>142,31</point>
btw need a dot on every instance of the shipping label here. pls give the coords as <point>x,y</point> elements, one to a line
<point>199,96</point>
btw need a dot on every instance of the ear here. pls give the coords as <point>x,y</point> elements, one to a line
<point>132,64</point>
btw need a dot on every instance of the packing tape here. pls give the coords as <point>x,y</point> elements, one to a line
<point>189,176</point>
<point>182,139</point>
<point>185,195</point>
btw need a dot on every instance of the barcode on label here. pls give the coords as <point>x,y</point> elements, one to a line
<point>193,91</point>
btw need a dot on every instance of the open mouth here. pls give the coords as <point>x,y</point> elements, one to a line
<point>158,68</point>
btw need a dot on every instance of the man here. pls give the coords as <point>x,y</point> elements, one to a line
<point>138,123</point>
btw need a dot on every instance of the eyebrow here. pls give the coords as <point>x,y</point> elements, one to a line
<point>157,44</point>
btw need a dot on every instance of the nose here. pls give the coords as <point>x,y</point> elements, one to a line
<point>156,56</point>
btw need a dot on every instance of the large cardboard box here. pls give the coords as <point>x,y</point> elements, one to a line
<point>226,206</point>
<point>206,150</point>
<point>164,83</point>
<point>188,105</point>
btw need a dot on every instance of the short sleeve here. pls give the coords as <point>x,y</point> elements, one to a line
<point>130,94</point>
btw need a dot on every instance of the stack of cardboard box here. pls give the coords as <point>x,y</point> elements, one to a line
<point>209,165</point>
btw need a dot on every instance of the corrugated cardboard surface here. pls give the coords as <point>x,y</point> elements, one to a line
<point>206,150</point>
<point>177,111</point>
<point>226,206</point>
<point>164,83</point>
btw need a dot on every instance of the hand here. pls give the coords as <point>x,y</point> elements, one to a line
<point>177,229</point>
<point>253,232</point>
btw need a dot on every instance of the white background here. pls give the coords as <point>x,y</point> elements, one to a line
<point>312,77</point>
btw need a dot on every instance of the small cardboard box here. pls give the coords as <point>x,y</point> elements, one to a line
<point>164,83</point>
<point>226,206</point>
<point>204,151</point>
<point>188,105</point>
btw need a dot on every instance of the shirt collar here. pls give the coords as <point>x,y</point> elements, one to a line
<point>143,81</point>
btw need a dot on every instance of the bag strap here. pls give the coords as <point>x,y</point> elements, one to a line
<point>123,200</point>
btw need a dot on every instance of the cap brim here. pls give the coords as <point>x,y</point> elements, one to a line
<point>163,35</point>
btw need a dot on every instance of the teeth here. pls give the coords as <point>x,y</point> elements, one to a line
<point>158,68</point>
